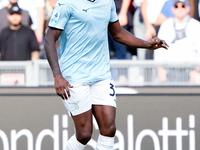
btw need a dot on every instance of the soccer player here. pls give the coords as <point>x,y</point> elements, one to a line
<point>82,76</point>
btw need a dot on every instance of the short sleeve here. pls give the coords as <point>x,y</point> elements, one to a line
<point>113,14</point>
<point>61,15</point>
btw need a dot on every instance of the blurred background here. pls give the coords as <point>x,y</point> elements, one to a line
<point>157,91</point>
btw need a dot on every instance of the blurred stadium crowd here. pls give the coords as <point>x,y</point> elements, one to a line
<point>175,21</point>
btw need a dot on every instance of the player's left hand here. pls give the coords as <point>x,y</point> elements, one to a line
<point>156,43</point>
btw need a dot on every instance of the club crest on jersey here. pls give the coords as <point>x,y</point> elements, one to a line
<point>55,17</point>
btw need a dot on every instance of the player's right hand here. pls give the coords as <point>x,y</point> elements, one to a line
<point>62,87</point>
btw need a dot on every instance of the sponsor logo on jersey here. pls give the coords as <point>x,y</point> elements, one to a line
<point>60,4</point>
<point>85,10</point>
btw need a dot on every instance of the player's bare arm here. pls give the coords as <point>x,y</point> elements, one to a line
<point>122,36</point>
<point>61,85</point>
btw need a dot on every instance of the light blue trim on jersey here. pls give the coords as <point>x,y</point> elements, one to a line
<point>84,42</point>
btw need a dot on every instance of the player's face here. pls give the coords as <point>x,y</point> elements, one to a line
<point>14,19</point>
<point>181,10</point>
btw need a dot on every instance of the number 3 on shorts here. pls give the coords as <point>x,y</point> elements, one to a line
<point>112,87</point>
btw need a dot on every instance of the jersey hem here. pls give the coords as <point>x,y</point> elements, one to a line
<point>114,21</point>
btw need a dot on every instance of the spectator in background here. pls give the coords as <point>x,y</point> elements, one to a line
<point>50,4</point>
<point>139,27</point>
<point>166,11</point>
<point>117,50</point>
<point>36,11</point>
<point>26,19</point>
<point>18,42</point>
<point>182,33</point>
<point>150,10</point>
